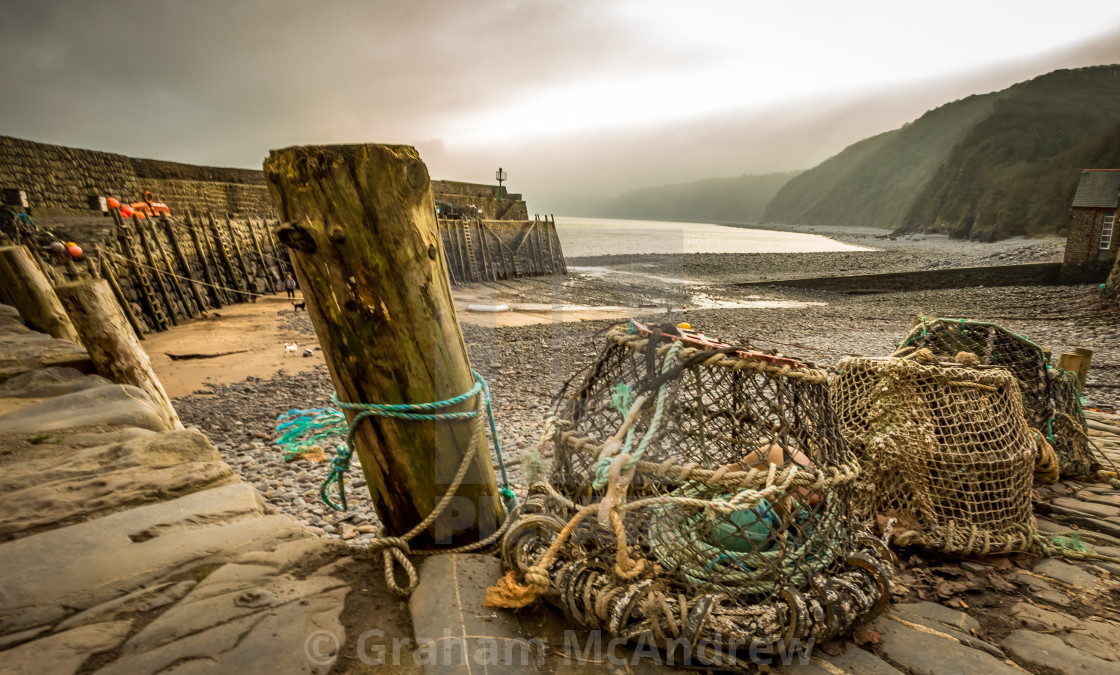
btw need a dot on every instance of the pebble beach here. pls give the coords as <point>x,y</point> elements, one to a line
<point>527,365</point>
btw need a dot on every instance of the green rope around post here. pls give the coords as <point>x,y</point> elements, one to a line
<point>300,429</point>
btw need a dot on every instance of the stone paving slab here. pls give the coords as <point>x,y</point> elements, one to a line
<point>448,618</point>
<point>1049,653</point>
<point>95,561</point>
<point>25,350</point>
<point>63,653</point>
<point>923,652</point>
<point>98,409</point>
<point>57,489</point>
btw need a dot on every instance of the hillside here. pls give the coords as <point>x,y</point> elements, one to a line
<point>992,165</point>
<point>733,200</point>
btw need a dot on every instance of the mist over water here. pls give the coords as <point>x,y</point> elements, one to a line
<point>609,236</point>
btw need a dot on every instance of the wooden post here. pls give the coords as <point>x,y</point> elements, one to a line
<point>165,263</point>
<point>126,306</point>
<point>150,256</point>
<point>250,290</point>
<point>139,274</point>
<point>204,260</point>
<point>1083,366</point>
<point>270,280</point>
<point>270,244</point>
<point>32,294</point>
<point>112,344</point>
<point>184,265</point>
<point>361,234</point>
<point>223,255</point>
<point>1071,363</point>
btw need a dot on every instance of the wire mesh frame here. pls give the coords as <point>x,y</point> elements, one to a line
<point>1051,406</point>
<point>945,450</point>
<point>788,561</point>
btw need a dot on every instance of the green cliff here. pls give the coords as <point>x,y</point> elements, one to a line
<point>987,166</point>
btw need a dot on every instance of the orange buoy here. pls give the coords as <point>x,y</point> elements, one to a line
<point>113,203</point>
<point>75,250</point>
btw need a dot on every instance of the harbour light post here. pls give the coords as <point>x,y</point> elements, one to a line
<point>501,176</point>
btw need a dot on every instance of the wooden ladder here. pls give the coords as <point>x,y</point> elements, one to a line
<point>471,262</point>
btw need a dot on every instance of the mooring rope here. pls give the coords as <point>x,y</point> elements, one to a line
<point>300,429</point>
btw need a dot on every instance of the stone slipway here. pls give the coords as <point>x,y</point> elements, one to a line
<point>127,547</point>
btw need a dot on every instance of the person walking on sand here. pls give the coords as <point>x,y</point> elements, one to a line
<point>290,286</point>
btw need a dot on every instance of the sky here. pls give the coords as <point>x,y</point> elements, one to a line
<point>578,100</point>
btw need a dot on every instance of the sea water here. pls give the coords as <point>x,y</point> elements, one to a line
<point>612,236</point>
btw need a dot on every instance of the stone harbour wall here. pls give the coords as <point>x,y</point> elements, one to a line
<point>59,181</point>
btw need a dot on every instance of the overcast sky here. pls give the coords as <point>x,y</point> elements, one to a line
<point>575,99</point>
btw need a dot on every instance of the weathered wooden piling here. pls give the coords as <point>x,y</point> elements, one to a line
<point>184,265</point>
<point>360,227</point>
<point>240,260</point>
<point>122,300</point>
<point>112,344</point>
<point>223,255</point>
<point>270,280</point>
<point>137,272</point>
<point>204,260</point>
<point>30,292</point>
<point>169,270</point>
<point>150,256</point>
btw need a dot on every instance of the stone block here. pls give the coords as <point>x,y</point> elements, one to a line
<point>101,408</point>
<point>857,661</point>
<point>98,560</point>
<point>929,610</point>
<point>63,653</point>
<point>1065,572</point>
<point>1034,617</point>
<point>1049,654</point>
<point>45,504</point>
<point>49,382</point>
<point>449,619</point>
<point>922,653</point>
<point>1089,508</point>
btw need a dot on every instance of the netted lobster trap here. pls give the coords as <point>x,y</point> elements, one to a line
<point>1050,399</point>
<point>699,492</point>
<point>945,451</point>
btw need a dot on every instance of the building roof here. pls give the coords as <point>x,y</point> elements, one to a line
<point>1099,188</point>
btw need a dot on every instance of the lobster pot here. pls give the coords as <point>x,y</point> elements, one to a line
<point>945,451</point>
<point>706,492</point>
<point>1043,396</point>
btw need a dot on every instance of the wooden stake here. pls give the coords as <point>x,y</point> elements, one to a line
<point>227,264</point>
<point>270,280</point>
<point>32,295</point>
<point>183,264</point>
<point>235,242</point>
<point>1071,363</point>
<point>204,260</point>
<point>112,344</point>
<point>1083,366</point>
<point>149,255</point>
<point>165,264</point>
<point>360,227</point>
<point>126,306</point>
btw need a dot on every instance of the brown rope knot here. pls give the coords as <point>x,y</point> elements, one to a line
<point>395,549</point>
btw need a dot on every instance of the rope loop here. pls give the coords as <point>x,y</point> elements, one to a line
<point>301,428</point>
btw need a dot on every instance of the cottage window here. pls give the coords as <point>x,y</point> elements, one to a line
<point>1106,231</point>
